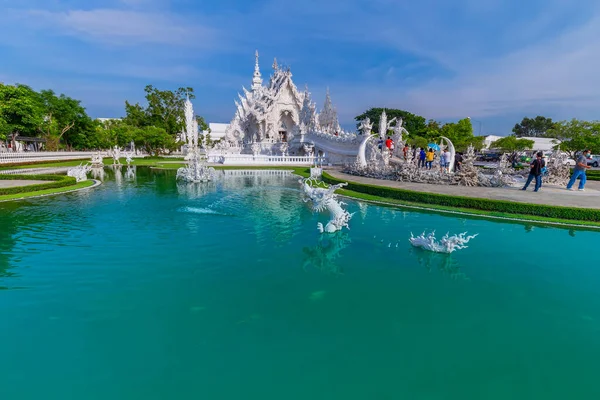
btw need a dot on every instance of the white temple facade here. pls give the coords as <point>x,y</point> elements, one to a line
<point>277,119</point>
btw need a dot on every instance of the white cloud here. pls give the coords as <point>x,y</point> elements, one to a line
<point>125,27</point>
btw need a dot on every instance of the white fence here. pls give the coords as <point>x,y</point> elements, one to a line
<point>27,157</point>
<point>249,159</point>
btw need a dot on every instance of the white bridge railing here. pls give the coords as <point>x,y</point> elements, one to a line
<point>249,159</point>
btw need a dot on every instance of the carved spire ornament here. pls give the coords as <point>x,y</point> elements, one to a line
<point>257,78</point>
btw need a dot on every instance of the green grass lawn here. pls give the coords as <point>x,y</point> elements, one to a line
<point>18,196</point>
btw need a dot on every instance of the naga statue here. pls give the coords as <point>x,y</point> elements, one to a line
<point>325,199</point>
<point>447,244</point>
<point>80,172</point>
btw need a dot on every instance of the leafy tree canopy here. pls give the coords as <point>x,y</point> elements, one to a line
<point>165,110</point>
<point>576,135</point>
<point>512,144</point>
<point>533,127</point>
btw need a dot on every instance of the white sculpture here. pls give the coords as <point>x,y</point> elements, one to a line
<point>325,199</point>
<point>365,127</point>
<point>196,170</point>
<point>116,154</point>
<point>452,151</point>
<point>80,172</point>
<point>384,125</point>
<point>97,160</point>
<point>128,157</point>
<point>447,244</point>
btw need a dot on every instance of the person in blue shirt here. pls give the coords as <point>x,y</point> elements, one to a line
<point>579,171</point>
<point>422,158</point>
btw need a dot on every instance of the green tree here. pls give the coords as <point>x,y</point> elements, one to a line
<point>414,124</point>
<point>533,127</point>
<point>20,110</point>
<point>576,135</point>
<point>461,134</point>
<point>64,118</point>
<point>512,144</point>
<point>155,141</point>
<point>165,110</point>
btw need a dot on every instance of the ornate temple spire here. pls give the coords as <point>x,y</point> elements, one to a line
<point>275,66</point>
<point>256,79</point>
<point>328,119</point>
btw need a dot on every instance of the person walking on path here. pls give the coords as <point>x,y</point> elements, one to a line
<point>429,157</point>
<point>579,171</point>
<point>535,172</point>
<point>422,156</point>
<point>405,151</point>
<point>445,161</point>
<point>458,162</point>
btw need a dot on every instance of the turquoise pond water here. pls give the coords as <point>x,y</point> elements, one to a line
<point>149,290</point>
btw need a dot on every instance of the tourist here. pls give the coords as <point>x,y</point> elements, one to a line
<point>579,171</point>
<point>458,159</point>
<point>422,156</point>
<point>444,161</point>
<point>535,172</point>
<point>405,152</point>
<point>388,144</point>
<point>429,156</point>
<point>380,144</point>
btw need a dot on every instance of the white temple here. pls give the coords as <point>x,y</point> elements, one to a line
<point>278,120</point>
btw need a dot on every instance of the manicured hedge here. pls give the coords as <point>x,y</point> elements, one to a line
<point>540,210</point>
<point>54,181</point>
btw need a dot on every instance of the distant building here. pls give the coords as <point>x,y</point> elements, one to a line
<point>217,130</point>
<point>489,139</point>
<point>543,144</point>
<point>108,119</point>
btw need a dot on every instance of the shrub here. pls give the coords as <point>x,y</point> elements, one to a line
<point>540,210</point>
<point>54,181</point>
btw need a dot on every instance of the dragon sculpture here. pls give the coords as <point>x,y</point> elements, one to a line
<point>325,199</point>
<point>447,244</point>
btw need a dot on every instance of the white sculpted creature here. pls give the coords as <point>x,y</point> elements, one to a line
<point>325,199</point>
<point>80,172</point>
<point>97,160</point>
<point>116,153</point>
<point>447,244</point>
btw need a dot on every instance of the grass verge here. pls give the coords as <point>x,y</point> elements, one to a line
<point>45,192</point>
<point>468,205</point>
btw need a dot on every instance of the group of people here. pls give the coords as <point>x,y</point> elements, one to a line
<point>427,156</point>
<point>538,169</point>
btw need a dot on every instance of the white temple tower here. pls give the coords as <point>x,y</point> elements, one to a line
<point>328,120</point>
<point>256,78</point>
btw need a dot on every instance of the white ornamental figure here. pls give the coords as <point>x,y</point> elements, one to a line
<point>325,199</point>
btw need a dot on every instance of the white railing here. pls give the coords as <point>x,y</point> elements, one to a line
<point>249,159</point>
<point>256,172</point>
<point>25,157</point>
<point>36,171</point>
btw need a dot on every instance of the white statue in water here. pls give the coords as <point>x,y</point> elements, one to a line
<point>447,244</point>
<point>325,199</point>
<point>97,160</point>
<point>116,153</point>
<point>80,172</point>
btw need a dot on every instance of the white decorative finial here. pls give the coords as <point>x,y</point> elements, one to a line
<point>275,66</point>
<point>256,79</point>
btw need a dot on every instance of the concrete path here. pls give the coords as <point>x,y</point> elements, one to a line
<point>18,182</point>
<point>549,195</point>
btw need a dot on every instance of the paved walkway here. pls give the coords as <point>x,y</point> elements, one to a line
<point>18,182</point>
<point>550,195</point>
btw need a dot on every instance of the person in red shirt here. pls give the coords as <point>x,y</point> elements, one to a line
<point>388,143</point>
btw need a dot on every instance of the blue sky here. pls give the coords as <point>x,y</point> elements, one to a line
<point>493,60</point>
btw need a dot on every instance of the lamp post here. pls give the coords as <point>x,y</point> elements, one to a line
<point>479,122</point>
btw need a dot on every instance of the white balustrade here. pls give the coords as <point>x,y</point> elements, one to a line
<point>249,159</point>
